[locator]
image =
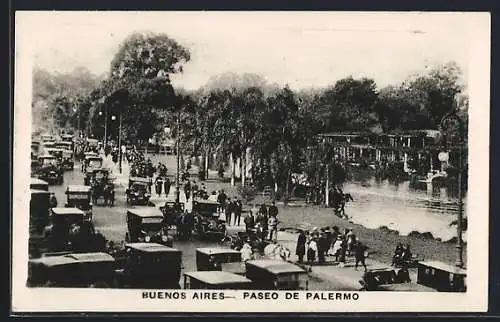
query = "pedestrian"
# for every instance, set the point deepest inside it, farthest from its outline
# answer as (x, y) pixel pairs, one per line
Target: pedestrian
(322, 247)
(158, 185)
(273, 210)
(166, 186)
(342, 254)
(53, 200)
(263, 210)
(360, 254)
(351, 242)
(238, 209)
(273, 227)
(312, 249)
(187, 190)
(264, 223)
(221, 199)
(249, 223)
(337, 247)
(194, 189)
(228, 212)
(300, 250)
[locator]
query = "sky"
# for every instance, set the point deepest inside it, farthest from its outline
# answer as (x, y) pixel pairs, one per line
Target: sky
(301, 49)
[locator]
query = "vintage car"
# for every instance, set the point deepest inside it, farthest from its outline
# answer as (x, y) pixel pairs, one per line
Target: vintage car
(215, 280)
(39, 210)
(171, 210)
(65, 145)
(138, 191)
(50, 171)
(102, 186)
(69, 231)
(269, 274)
(78, 196)
(58, 153)
(67, 138)
(94, 269)
(441, 276)
(380, 278)
(47, 137)
(149, 265)
(68, 161)
(35, 166)
(207, 223)
(212, 258)
(90, 163)
(38, 184)
(147, 224)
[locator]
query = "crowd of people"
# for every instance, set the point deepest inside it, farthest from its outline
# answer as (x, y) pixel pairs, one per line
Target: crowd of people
(316, 244)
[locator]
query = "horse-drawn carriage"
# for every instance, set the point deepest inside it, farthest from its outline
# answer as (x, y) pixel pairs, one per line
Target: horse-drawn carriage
(102, 186)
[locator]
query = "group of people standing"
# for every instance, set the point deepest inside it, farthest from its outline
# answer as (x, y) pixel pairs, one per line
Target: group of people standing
(317, 244)
(264, 221)
(232, 209)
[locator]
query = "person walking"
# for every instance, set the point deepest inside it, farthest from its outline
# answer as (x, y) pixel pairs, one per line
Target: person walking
(222, 199)
(238, 209)
(312, 250)
(187, 190)
(322, 247)
(249, 223)
(342, 253)
(360, 254)
(166, 186)
(300, 250)
(273, 210)
(158, 185)
(228, 212)
(273, 227)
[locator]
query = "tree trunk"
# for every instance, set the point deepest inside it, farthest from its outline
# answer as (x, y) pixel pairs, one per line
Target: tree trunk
(233, 169)
(327, 194)
(206, 164)
(287, 188)
(243, 161)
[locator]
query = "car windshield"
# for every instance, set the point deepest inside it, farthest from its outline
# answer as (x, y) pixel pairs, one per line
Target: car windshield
(139, 187)
(83, 204)
(49, 162)
(152, 227)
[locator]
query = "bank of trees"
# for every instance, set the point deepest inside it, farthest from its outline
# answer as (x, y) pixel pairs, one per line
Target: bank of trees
(245, 117)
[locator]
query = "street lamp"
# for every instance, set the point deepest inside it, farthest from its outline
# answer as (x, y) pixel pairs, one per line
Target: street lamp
(453, 129)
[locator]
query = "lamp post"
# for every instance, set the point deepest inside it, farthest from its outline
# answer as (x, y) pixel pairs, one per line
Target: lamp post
(453, 129)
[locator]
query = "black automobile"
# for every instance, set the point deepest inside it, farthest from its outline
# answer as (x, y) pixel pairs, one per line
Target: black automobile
(90, 163)
(68, 161)
(138, 191)
(147, 224)
(80, 197)
(149, 265)
(50, 171)
(207, 223)
(95, 269)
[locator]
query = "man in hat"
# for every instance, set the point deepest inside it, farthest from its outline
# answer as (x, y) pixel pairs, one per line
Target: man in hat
(322, 246)
(237, 210)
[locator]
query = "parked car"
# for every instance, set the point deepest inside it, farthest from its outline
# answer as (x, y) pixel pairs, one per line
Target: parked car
(68, 160)
(94, 269)
(149, 265)
(212, 258)
(215, 280)
(441, 276)
(79, 196)
(268, 274)
(147, 224)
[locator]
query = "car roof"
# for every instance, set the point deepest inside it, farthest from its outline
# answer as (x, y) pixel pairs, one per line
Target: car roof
(207, 202)
(52, 261)
(54, 149)
(218, 277)
(47, 156)
(39, 192)
(151, 248)
(67, 211)
(93, 157)
(145, 212)
(139, 179)
(216, 250)
(38, 181)
(443, 266)
(277, 266)
(78, 188)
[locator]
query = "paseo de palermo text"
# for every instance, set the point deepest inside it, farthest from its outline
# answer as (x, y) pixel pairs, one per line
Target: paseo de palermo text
(250, 295)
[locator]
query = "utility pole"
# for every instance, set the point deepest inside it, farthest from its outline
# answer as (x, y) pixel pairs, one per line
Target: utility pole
(177, 188)
(120, 142)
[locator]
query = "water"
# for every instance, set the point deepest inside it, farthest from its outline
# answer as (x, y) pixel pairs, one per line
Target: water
(403, 206)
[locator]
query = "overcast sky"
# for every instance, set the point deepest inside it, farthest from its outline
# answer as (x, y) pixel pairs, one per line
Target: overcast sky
(302, 49)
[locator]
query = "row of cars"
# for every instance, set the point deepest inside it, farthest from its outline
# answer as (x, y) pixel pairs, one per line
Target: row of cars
(151, 265)
(51, 156)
